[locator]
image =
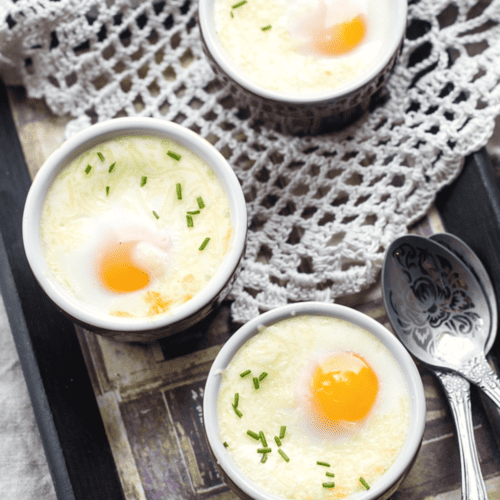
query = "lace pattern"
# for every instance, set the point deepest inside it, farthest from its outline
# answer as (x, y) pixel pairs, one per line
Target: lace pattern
(322, 209)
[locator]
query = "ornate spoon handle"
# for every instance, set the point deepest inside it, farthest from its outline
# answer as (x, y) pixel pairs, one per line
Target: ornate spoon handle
(479, 372)
(458, 392)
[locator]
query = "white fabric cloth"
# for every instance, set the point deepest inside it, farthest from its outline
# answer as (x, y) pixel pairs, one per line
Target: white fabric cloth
(24, 474)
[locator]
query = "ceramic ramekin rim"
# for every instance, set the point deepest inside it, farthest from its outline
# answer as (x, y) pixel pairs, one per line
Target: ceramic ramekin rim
(207, 30)
(408, 367)
(91, 136)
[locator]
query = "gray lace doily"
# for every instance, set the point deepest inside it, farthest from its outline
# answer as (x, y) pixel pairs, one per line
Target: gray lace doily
(322, 210)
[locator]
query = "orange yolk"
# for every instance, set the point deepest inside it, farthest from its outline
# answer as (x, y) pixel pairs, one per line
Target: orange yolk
(118, 272)
(340, 38)
(344, 387)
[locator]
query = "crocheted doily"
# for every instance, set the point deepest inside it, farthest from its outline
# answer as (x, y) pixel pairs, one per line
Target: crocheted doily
(322, 210)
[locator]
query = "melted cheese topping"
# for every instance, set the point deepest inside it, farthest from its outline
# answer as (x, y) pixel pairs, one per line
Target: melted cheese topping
(288, 352)
(116, 235)
(293, 53)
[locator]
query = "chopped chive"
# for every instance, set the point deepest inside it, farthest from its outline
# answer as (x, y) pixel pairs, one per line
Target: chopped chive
(284, 455)
(144, 179)
(282, 431)
(193, 212)
(101, 156)
(239, 4)
(324, 464)
(174, 155)
(178, 189)
(253, 435)
(256, 382)
(156, 215)
(264, 458)
(245, 373)
(264, 450)
(238, 412)
(266, 28)
(107, 190)
(278, 440)
(112, 167)
(328, 485)
(200, 201)
(236, 399)
(263, 439)
(204, 244)
(88, 169)
(329, 474)
(262, 376)
(364, 483)
(231, 14)
(189, 221)
(225, 444)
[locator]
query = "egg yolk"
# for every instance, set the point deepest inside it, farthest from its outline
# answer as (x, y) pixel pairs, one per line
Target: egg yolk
(117, 270)
(344, 387)
(340, 38)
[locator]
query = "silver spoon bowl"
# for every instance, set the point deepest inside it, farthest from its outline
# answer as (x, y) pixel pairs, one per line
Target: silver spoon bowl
(439, 309)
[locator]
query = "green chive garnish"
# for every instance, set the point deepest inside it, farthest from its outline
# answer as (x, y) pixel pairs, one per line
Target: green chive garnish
(204, 244)
(238, 412)
(364, 483)
(328, 485)
(262, 376)
(112, 167)
(245, 373)
(266, 28)
(193, 212)
(189, 221)
(264, 458)
(231, 14)
(178, 189)
(174, 155)
(144, 179)
(156, 215)
(324, 464)
(101, 156)
(239, 4)
(282, 431)
(200, 201)
(284, 455)
(254, 435)
(225, 444)
(107, 190)
(329, 474)
(278, 441)
(263, 439)
(256, 382)
(264, 450)
(236, 399)
(88, 169)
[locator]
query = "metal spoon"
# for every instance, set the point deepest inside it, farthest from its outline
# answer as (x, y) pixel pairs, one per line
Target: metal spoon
(467, 255)
(440, 309)
(456, 387)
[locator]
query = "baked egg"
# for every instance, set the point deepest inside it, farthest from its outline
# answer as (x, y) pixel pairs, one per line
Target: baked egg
(135, 226)
(301, 46)
(313, 407)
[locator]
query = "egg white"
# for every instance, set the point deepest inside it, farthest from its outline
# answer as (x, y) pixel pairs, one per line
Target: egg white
(287, 351)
